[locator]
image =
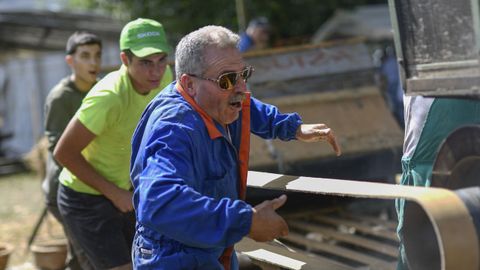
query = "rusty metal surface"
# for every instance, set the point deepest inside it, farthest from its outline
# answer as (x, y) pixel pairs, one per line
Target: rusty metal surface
(299, 62)
(457, 164)
(445, 215)
(437, 46)
(310, 68)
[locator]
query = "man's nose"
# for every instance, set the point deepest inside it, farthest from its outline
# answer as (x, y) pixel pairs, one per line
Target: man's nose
(95, 61)
(241, 86)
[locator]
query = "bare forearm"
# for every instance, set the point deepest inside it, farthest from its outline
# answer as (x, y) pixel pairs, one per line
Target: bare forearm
(122, 199)
(85, 172)
(68, 152)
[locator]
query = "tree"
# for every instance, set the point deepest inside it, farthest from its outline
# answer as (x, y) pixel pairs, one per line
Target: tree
(293, 20)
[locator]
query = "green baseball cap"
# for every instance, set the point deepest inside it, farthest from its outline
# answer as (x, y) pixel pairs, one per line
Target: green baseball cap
(144, 37)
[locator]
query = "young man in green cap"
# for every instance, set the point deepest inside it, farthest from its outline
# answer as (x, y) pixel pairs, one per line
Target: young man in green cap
(95, 197)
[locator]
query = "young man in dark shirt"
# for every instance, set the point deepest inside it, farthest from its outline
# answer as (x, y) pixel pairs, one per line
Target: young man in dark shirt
(83, 55)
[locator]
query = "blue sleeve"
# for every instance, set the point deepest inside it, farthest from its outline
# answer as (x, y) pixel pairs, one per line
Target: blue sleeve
(268, 123)
(165, 200)
(245, 42)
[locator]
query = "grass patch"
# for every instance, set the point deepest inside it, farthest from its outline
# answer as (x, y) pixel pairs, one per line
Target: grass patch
(21, 204)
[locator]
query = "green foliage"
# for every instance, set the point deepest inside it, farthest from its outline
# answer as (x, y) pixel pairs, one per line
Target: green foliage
(294, 20)
(116, 8)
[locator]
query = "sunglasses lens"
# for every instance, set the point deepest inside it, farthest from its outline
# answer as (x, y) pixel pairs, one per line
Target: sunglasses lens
(246, 73)
(227, 81)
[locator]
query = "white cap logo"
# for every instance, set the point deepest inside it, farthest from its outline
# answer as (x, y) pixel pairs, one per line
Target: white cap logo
(148, 34)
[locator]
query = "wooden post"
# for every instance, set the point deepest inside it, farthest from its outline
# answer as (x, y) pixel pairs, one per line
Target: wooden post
(241, 18)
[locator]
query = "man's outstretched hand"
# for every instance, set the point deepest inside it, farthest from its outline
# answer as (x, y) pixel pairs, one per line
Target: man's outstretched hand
(266, 223)
(318, 132)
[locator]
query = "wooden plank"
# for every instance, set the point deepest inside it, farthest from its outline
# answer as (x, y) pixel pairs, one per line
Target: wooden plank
(380, 232)
(279, 256)
(353, 239)
(312, 61)
(373, 221)
(266, 266)
(310, 212)
(311, 244)
(344, 111)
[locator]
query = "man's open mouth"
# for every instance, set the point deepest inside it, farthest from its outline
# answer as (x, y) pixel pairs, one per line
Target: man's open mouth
(237, 100)
(236, 104)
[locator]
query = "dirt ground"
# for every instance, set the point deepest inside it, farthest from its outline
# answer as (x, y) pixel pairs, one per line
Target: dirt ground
(21, 204)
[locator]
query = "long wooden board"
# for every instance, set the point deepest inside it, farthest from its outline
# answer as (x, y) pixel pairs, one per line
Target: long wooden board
(359, 226)
(281, 258)
(364, 242)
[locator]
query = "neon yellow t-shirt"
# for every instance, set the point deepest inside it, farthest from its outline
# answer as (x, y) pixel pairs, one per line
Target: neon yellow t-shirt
(111, 110)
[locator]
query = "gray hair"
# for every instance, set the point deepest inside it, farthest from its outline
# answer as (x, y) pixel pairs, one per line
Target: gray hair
(189, 54)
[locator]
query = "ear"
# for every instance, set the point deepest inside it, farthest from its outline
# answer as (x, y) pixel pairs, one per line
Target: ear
(188, 85)
(124, 58)
(69, 60)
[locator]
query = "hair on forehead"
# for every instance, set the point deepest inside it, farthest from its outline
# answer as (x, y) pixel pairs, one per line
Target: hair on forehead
(80, 38)
(212, 35)
(190, 51)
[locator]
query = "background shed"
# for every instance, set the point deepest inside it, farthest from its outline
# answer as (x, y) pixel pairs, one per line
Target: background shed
(32, 55)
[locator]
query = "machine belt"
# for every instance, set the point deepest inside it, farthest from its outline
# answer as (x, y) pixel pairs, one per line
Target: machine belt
(453, 230)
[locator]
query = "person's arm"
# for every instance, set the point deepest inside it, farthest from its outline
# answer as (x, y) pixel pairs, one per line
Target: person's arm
(68, 152)
(58, 112)
(269, 123)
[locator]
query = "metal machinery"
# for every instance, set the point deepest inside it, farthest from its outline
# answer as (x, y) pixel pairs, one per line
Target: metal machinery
(437, 44)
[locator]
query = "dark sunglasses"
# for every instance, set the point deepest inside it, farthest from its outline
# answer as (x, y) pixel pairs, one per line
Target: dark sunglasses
(227, 81)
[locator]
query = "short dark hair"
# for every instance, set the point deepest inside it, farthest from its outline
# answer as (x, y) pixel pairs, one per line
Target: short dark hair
(129, 54)
(81, 38)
